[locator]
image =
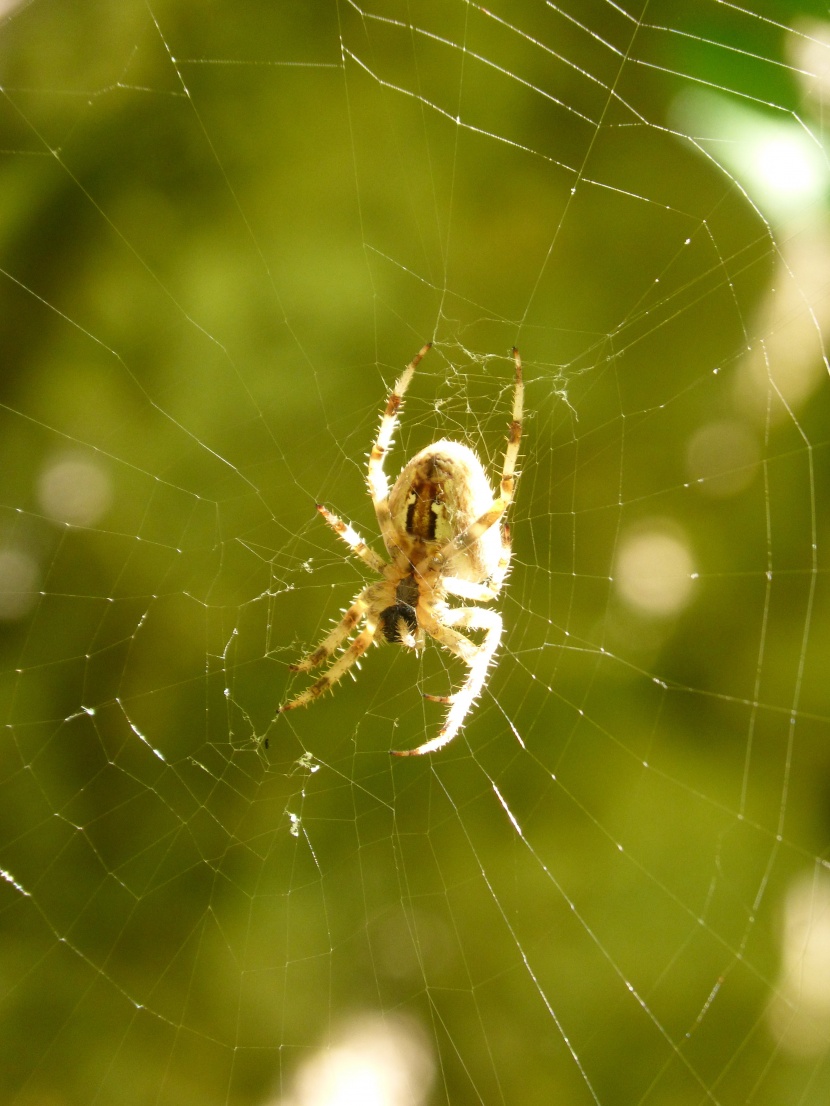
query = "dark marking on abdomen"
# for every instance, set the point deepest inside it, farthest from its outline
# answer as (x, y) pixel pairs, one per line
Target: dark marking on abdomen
(421, 518)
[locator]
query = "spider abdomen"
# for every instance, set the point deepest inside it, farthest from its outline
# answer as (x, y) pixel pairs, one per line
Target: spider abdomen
(440, 493)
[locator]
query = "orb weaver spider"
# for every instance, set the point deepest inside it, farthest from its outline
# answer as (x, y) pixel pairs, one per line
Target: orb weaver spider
(442, 527)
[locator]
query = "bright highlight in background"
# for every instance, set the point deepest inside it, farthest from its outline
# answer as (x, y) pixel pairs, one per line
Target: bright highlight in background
(654, 572)
(376, 1061)
(787, 165)
(780, 164)
(74, 489)
(799, 1015)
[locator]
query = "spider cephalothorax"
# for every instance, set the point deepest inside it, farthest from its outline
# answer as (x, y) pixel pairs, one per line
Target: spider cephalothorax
(442, 527)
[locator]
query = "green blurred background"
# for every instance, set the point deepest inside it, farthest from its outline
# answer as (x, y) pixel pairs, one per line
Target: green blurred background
(224, 229)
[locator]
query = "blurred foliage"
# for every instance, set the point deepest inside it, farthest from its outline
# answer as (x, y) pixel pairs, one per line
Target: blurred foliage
(224, 228)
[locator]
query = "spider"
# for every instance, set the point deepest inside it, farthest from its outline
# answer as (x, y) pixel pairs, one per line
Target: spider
(441, 525)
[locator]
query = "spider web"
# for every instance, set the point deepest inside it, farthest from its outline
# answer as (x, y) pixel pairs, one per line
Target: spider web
(225, 229)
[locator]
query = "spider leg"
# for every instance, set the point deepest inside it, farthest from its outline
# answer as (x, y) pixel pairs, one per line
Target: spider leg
(458, 645)
(330, 642)
(483, 593)
(354, 541)
(466, 589)
(376, 477)
(508, 481)
(477, 657)
(336, 671)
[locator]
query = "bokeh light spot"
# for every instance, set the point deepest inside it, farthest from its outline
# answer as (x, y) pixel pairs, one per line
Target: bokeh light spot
(654, 572)
(74, 489)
